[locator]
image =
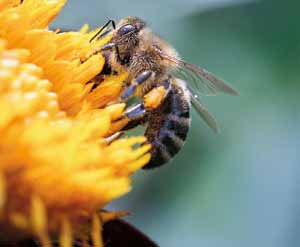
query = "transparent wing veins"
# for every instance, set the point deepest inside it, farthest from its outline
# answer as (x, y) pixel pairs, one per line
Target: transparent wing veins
(200, 85)
(204, 113)
(202, 81)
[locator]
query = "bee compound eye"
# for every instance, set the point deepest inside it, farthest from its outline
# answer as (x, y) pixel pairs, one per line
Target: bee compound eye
(126, 29)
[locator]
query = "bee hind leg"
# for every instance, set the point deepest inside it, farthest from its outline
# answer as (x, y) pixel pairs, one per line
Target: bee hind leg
(156, 95)
(136, 115)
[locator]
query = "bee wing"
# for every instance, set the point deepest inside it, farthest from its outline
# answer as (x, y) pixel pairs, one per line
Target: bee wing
(202, 81)
(203, 112)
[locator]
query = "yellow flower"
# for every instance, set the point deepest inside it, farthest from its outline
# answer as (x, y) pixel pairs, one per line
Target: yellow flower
(56, 168)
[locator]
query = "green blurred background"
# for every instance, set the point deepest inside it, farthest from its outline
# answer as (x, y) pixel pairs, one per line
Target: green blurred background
(241, 187)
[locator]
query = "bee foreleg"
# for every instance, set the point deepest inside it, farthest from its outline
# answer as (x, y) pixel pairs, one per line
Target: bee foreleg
(97, 50)
(140, 79)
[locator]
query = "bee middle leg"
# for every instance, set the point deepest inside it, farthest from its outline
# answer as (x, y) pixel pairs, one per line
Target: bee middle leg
(141, 78)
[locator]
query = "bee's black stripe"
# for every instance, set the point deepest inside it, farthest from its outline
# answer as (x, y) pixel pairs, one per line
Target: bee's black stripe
(171, 142)
(179, 125)
(159, 152)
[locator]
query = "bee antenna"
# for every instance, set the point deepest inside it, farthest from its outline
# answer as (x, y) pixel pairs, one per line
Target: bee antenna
(103, 27)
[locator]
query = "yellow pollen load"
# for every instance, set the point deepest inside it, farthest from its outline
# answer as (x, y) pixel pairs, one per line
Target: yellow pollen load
(154, 97)
(56, 169)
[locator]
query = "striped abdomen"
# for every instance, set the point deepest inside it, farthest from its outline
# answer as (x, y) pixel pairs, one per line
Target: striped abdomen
(168, 126)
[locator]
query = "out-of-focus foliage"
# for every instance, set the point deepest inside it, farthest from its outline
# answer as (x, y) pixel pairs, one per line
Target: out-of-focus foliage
(239, 188)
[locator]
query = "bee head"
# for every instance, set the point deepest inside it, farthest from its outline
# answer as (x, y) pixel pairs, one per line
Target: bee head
(125, 37)
(130, 25)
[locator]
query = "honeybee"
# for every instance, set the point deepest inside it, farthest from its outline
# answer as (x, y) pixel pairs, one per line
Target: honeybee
(152, 63)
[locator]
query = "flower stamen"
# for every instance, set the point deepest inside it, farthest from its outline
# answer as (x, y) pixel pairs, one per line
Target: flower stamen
(96, 229)
(2, 194)
(65, 237)
(38, 219)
